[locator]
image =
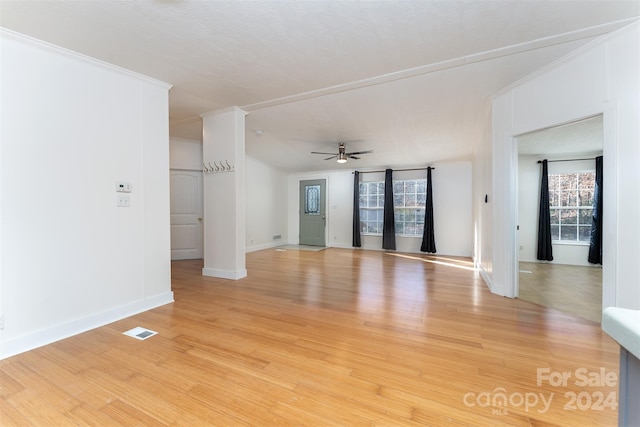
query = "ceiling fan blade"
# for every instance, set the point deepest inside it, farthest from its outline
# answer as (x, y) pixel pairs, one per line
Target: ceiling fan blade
(360, 152)
(332, 157)
(353, 157)
(318, 152)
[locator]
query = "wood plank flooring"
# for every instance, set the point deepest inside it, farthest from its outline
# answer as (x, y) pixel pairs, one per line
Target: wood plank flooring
(332, 338)
(571, 289)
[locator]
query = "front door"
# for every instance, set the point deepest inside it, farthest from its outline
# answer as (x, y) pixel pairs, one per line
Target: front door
(312, 212)
(186, 215)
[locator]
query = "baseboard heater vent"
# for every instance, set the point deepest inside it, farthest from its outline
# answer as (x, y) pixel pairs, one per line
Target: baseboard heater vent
(140, 333)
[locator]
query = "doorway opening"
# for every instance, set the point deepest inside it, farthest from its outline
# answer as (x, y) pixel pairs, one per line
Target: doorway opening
(569, 283)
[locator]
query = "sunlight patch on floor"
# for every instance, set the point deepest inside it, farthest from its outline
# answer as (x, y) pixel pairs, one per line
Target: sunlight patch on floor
(436, 260)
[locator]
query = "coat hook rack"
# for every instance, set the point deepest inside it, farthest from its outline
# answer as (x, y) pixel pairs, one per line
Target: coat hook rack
(217, 167)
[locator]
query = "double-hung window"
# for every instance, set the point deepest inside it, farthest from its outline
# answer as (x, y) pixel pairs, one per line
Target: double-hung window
(571, 206)
(371, 207)
(409, 200)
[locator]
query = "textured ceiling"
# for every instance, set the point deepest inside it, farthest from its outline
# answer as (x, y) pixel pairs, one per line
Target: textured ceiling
(581, 138)
(410, 80)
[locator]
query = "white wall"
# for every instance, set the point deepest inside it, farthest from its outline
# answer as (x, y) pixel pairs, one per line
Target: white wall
(273, 197)
(452, 209)
(528, 199)
(336, 206)
(482, 200)
(72, 260)
(266, 194)
(225, 197)
(266, 206)
(600, 78)
(528, 206)
(185, 154)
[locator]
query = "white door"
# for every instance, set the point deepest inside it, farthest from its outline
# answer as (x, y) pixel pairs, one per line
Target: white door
(186, 215)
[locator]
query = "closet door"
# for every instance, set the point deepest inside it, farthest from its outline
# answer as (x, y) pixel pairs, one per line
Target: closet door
(186, 215)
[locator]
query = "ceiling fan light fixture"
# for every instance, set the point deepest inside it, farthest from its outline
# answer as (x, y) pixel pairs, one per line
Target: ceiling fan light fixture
(342, 156)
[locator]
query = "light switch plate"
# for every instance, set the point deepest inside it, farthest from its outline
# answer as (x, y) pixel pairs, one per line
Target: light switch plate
(122, 201)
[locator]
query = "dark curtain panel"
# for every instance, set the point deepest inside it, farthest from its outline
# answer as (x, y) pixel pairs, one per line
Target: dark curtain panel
(595, 245)
(388, 227)
(545, 251)
(356, 210)
(428, 238)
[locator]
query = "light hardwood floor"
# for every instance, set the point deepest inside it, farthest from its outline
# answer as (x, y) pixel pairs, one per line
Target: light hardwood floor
(568, 288)
(336, 337)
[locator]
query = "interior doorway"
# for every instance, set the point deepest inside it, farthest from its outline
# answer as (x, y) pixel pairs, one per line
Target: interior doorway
(187, 231)
(568, 283)
(312, 212)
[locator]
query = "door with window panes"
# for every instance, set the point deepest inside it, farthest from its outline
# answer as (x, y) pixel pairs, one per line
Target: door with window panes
(312, 212)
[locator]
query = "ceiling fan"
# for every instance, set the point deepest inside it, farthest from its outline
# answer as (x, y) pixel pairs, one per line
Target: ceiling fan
(342, 154)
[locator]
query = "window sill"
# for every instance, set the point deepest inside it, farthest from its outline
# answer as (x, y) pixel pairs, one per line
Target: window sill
(397, 235)
(569, 243)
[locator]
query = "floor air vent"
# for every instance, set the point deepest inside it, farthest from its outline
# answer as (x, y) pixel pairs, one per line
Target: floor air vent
(140, 333)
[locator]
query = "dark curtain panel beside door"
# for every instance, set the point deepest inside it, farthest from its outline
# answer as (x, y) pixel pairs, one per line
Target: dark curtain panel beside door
(428, 237)
(356, 210)
(545, 251)
(388, 226)
(595, 244)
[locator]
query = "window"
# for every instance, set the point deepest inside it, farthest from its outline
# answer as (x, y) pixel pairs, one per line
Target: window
(409, 200)
(312, 200)
(571, 206)
(371, 207)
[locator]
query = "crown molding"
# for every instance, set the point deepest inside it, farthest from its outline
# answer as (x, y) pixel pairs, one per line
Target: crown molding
(22, 38)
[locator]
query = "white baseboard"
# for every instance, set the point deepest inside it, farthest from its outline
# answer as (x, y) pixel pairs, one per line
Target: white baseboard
(46, 336)
(485, 277)
(340, 245)
(225, 274)
(269, 245)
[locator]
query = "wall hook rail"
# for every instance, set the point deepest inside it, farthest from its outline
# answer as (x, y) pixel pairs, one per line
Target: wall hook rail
(217, 167)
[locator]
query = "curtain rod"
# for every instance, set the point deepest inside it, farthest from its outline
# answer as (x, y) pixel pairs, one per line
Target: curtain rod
(401, 170)
(568, 160)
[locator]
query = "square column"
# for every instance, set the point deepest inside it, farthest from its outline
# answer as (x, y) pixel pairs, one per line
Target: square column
(224, 194)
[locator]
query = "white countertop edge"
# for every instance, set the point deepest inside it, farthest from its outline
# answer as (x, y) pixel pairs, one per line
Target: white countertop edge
(623, 325)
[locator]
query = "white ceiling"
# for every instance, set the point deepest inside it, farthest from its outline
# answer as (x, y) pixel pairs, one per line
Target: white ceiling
(410, 80)
(581, 138)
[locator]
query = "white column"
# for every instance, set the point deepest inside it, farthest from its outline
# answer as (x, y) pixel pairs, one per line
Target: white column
(224, 194)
